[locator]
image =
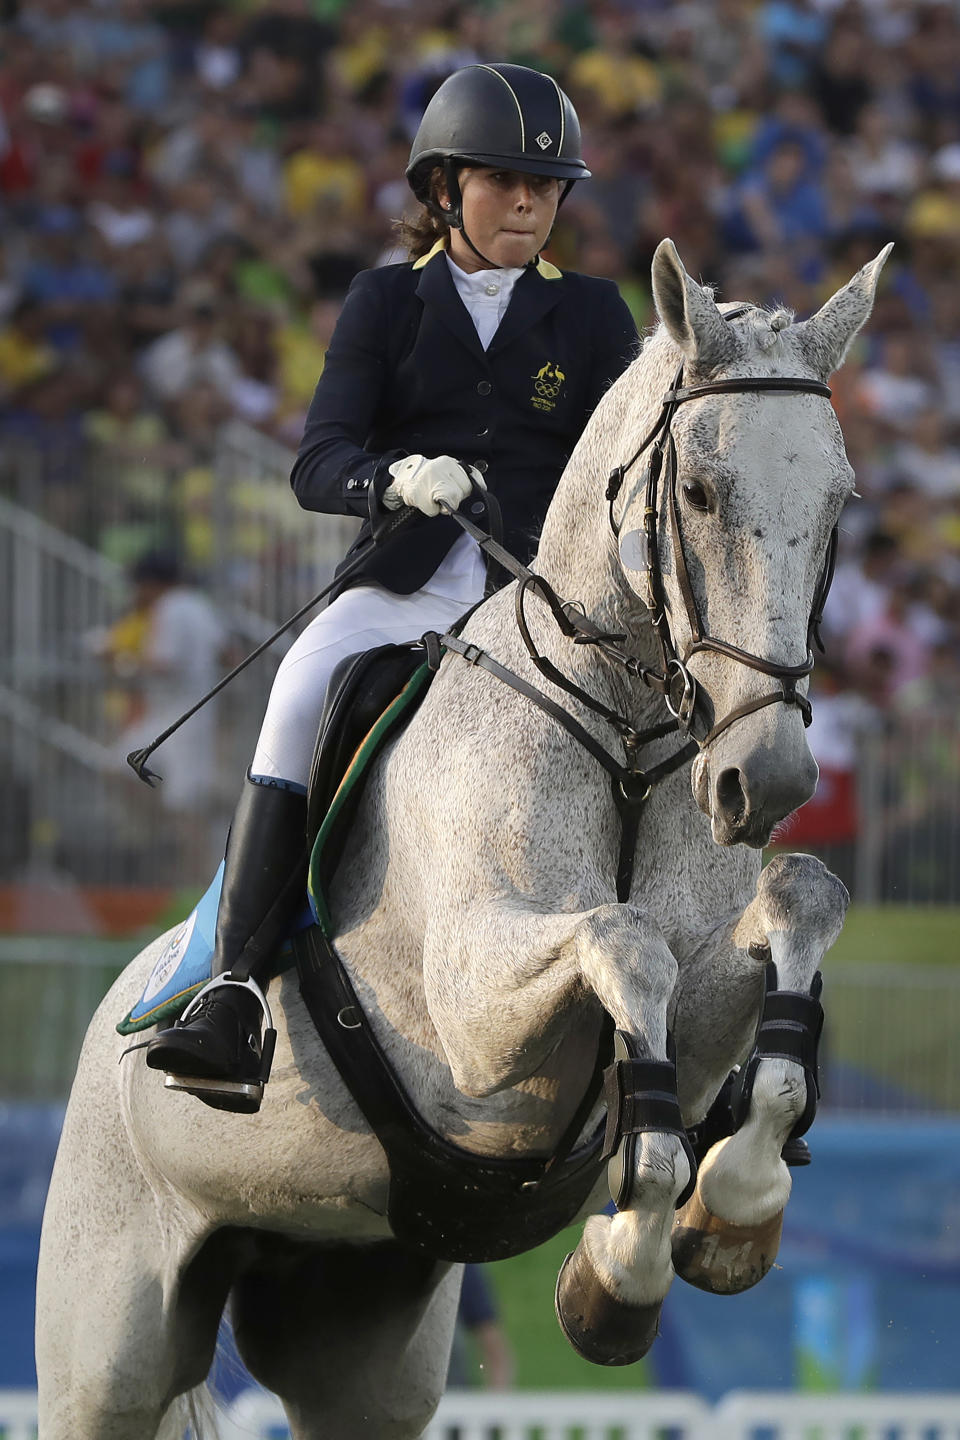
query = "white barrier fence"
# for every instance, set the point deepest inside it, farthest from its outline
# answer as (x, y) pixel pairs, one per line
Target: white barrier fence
(592, 1415)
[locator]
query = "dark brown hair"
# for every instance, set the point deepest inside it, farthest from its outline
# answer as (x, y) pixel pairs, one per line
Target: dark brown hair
(421, 233)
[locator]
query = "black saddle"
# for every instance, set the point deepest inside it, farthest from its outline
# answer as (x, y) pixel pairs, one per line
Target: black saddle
(362, 689)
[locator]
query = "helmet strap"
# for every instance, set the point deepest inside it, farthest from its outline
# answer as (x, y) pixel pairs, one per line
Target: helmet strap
(453, 214)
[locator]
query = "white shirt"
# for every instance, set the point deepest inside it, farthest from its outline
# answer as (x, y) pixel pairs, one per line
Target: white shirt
(486, 294)
(461, 574)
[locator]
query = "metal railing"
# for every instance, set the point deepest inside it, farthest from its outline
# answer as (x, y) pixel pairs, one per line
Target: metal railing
(627, 1415)
(889, 1045)
(76, 811)
(259, 557)
(908, 786)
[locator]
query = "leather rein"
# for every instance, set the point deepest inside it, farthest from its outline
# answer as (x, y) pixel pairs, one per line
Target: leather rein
(631, 781)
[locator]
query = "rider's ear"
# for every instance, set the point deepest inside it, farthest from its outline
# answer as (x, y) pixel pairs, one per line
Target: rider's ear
(827, 336)
(689, 313)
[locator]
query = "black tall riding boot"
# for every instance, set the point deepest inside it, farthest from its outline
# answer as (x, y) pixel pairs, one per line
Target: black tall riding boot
(217, 1050)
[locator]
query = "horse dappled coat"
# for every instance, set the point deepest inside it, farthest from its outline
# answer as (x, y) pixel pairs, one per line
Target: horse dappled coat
(476, 911)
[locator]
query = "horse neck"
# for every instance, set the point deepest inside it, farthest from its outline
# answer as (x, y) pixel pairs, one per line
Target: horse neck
(578, 551)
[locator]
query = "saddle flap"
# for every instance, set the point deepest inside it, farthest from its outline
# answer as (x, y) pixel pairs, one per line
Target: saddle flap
(370, 697)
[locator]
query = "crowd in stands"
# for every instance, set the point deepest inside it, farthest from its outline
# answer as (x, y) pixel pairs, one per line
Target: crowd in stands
(187, 187)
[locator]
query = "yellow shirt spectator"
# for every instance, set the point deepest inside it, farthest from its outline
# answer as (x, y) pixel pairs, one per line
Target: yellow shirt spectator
(323, 175)
(24, 356)
(621, 84)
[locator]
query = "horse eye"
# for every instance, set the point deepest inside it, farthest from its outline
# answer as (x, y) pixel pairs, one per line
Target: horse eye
(696, 496)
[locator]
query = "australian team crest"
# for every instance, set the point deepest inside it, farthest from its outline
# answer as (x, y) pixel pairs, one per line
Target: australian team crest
(547, 387)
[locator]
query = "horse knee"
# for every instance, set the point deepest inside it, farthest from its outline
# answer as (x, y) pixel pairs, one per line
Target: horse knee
(625, 960)
(798, 893)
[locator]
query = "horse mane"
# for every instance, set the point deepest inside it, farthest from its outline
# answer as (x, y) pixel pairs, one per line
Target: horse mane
(765, 324)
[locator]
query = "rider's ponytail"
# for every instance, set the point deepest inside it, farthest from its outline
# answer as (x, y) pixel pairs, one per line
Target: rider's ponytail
(419, 234)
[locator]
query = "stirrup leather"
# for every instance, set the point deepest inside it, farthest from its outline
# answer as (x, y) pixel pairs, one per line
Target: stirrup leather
(250, 1089)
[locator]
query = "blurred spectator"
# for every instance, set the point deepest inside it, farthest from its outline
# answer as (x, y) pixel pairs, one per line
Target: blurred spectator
(131, 456)
(935, 695)
(793, 34)
(899, 633)
(898, 387)
(480, 1345)
(843, 717)
(612, 79)
(841, 79)
(861, 584)
(924, 458)
(780, 208)
(70, 277)
(193, 352)
(880, 161)
(187, 192)
(181, 646)
(24, 353)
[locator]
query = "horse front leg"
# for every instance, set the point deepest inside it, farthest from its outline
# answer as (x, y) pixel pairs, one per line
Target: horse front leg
(727, 1235)
(611, 1289)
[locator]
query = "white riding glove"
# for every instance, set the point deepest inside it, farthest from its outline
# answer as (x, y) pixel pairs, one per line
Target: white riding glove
(421, 483)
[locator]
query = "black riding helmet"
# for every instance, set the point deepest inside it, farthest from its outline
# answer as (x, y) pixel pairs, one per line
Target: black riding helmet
(503, 115)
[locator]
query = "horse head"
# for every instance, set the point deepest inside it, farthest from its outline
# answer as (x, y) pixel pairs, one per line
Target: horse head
(735, 516)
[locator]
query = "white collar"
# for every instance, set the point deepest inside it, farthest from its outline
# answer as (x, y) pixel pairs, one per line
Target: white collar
(479, 284)
(544, 268)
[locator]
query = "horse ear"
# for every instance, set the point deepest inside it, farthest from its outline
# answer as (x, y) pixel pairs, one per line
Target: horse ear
(689, 313)
(827, 336)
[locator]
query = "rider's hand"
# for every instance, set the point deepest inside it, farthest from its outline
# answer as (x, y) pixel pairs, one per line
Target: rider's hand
(421, 483)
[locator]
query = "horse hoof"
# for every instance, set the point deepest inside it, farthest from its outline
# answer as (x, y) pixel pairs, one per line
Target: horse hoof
(601, 1328)
(718, 1256)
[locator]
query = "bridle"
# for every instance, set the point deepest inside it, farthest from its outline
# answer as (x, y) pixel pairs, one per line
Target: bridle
(680, 691)
(633, 782)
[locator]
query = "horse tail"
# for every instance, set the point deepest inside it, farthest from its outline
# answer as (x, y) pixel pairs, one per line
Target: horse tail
(192, 1416)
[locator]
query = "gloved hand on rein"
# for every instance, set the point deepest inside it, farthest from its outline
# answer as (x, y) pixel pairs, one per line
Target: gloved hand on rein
(421, 483)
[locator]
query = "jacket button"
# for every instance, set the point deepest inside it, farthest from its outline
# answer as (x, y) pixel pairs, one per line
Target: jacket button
(484, 387)
(484, 431)
(481, 465)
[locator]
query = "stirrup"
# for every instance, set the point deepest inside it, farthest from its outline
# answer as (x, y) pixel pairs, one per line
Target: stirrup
(249, 1091)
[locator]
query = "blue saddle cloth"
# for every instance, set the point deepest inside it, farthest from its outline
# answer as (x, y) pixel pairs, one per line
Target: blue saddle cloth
(183, 967)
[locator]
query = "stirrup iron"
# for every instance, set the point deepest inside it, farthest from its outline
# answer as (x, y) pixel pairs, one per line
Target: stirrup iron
(202, 1085)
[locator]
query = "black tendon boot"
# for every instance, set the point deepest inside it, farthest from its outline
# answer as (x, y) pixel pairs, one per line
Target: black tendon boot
(217, 1049)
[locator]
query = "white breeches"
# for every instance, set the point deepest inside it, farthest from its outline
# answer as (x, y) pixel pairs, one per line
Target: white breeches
(359, 619)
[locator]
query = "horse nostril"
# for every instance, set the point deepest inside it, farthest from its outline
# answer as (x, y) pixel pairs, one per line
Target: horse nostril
(731, 796)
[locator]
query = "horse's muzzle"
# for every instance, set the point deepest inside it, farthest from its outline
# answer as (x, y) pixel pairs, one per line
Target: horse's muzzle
(751, 793)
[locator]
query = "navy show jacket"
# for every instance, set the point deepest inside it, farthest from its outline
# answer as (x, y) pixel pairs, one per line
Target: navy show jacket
(406, 373)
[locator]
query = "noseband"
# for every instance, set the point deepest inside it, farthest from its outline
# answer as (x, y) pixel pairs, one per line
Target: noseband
(680, 691)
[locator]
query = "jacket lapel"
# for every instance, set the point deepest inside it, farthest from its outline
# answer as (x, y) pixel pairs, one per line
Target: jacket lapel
(437, 290)
(533, 296)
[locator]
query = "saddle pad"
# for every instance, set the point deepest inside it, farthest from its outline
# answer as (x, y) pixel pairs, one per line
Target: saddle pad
(183, 967)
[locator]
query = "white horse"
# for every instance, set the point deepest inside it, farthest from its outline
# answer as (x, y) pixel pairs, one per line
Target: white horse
(476, 911)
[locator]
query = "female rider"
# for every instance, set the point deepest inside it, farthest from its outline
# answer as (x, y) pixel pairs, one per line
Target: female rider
(477, 363)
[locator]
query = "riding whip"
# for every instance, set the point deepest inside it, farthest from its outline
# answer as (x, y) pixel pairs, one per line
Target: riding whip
(137, 759)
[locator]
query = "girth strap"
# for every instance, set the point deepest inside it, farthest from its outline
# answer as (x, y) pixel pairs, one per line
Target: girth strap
(451, 1202)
